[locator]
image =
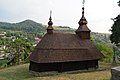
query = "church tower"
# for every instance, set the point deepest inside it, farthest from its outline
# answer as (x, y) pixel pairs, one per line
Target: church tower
(83, 31)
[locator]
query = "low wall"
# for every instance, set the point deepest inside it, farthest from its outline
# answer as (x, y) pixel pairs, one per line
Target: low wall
(115, 72)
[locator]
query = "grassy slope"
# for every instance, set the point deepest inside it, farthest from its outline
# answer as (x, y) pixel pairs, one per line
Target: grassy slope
(21, 73)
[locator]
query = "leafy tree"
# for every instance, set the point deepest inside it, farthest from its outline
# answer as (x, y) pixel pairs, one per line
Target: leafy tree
(115, 36)
(106, 51)
(19, 50)
(115, 29)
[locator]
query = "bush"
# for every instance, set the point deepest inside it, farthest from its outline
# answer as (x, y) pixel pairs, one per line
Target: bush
(3, 63)
(106, 51)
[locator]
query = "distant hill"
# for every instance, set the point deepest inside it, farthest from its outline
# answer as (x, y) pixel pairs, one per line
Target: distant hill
(63, 29)
(28, 26)
(103, 38)
(32, 27)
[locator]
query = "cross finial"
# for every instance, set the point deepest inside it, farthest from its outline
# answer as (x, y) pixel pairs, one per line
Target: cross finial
(83, 8)
(50, 15)
(50, 12)
(83, 2)
(50, 19)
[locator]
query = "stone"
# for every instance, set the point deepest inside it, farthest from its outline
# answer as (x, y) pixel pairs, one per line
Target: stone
(115, 72)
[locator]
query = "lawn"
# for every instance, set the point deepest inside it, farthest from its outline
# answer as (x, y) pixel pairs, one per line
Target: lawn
(21, 72)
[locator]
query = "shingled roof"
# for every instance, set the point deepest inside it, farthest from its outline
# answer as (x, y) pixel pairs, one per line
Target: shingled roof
(64, 47)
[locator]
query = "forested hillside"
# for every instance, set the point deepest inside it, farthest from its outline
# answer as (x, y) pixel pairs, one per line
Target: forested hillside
(28, 26)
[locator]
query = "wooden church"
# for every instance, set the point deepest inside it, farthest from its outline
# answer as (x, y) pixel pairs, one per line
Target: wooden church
(65, 51)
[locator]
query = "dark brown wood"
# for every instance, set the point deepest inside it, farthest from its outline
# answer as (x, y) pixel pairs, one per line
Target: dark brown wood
(63, 66)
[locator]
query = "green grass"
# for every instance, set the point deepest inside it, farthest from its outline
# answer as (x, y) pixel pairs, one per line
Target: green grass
(21, 72)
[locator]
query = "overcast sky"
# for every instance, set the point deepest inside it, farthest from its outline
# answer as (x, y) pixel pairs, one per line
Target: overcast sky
(64, 12)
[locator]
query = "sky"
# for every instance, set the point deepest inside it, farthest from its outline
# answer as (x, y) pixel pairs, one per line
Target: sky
(64, 12)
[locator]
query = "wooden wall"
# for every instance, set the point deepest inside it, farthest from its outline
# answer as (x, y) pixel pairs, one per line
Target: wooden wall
(63, 66)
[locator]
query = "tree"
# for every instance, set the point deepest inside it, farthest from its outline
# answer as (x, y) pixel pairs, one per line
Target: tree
(106, 51)
(20, 49)
(115, 36)
(115, 29)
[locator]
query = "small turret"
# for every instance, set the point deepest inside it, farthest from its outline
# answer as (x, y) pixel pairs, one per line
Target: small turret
(50, 23)
(83, 31)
